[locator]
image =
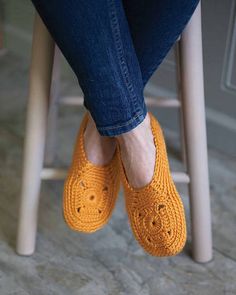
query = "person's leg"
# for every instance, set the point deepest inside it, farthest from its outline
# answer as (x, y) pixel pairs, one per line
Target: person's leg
(155, 27)
(94, 37)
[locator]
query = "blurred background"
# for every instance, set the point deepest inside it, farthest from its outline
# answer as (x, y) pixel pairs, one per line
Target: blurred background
(110, 261)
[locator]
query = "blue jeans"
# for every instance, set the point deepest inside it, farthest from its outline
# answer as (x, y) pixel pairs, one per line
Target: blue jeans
(113, 47)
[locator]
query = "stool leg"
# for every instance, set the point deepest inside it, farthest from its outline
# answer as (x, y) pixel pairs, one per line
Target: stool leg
(179, 97)
(53, 109)
(36, 124)
(195, 130)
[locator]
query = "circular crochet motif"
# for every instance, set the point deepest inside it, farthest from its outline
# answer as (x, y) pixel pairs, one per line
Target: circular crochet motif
(91, 199)
(156, 223)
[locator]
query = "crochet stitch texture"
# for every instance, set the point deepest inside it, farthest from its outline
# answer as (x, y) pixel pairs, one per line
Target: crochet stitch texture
(90, 191)
(155, 211)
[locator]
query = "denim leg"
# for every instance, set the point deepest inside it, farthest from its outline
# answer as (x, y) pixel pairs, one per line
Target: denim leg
(155, 25)
(95, 39)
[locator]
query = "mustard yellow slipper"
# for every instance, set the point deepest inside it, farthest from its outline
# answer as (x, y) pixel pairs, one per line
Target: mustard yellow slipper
(155, 211)
(90, 191)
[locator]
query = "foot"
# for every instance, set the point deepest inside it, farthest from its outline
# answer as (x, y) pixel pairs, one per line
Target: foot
(99, 149)
(90, 191)
(156, 212)
(138, 153)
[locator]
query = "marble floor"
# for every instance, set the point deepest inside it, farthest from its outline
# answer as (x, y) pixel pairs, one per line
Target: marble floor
(108, 261)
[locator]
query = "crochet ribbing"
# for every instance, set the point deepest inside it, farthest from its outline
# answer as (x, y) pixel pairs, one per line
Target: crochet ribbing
(90, 191)
(155, 211)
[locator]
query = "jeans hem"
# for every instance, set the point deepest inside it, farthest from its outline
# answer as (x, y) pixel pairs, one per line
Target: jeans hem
(124, 127)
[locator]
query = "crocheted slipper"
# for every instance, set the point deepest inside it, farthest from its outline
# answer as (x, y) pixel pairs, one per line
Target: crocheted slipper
(155, 211)
(90, 191)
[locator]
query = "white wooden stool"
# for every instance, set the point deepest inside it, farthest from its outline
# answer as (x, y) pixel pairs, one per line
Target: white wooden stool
(42, 112)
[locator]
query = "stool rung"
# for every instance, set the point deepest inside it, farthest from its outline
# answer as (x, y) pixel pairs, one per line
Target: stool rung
(159, 101)
(53, 173)
(162, 101)
(60, 173)
(72, 100)
(180, 177)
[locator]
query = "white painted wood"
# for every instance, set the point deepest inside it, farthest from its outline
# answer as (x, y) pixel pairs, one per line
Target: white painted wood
(179, 97)
(60, 174)
(168, 102)
(196, 141)
(54, 173)
(53, 109)
(36, 123)
(160, 102)
(180, 177)
(72, 100)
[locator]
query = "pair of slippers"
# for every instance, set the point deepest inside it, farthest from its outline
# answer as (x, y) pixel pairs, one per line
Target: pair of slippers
(155, 211)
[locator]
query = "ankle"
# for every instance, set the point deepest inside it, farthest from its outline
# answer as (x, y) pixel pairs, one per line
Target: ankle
(140, 133)
(91, 131)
